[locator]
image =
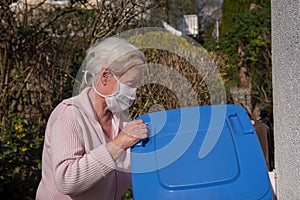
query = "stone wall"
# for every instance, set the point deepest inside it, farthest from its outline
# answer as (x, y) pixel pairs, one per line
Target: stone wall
(286, 96)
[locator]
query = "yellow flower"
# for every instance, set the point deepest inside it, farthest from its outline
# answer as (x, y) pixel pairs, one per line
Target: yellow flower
(19, 128)
(8, 142)
(20, 136)
(23, 149)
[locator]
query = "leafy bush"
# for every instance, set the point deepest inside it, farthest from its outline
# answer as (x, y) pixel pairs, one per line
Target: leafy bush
(20, 159)
(178, 74)
(251, 33)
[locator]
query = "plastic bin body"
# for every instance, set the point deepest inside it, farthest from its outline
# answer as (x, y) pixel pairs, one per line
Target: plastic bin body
(206, 152)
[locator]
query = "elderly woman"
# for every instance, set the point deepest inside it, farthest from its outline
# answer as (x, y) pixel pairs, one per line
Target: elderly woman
(87, 137)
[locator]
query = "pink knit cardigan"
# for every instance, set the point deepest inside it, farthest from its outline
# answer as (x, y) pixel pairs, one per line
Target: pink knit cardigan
(76, 163)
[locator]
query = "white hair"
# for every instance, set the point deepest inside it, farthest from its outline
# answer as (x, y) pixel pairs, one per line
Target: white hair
(114, 53)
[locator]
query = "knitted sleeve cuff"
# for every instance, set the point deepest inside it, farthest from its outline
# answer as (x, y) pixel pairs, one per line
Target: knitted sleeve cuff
(103, 156)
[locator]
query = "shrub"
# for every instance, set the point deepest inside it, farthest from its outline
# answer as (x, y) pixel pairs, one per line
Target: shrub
(20, 159)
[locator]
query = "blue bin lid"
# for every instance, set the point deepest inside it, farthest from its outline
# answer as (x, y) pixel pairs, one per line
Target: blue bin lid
(204, 152)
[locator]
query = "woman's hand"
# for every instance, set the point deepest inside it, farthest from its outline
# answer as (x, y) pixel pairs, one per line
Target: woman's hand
(133, 132)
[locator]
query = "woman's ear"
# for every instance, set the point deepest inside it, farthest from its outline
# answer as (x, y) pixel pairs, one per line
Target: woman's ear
(104, 76)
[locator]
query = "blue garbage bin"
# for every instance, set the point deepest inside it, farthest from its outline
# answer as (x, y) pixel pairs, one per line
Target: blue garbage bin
(203, 152)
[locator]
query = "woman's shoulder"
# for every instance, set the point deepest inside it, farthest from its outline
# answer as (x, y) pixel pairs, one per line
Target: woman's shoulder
(64, 110)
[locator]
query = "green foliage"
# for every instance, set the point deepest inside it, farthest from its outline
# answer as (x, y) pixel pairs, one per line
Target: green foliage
(251, 32)
(128, 194)
(20, 158)
(232, 7)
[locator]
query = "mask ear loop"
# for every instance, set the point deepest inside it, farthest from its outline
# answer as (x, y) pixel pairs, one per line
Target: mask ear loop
(85, 76)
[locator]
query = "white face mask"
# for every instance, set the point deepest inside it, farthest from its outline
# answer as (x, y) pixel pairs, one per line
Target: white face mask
(121, 99)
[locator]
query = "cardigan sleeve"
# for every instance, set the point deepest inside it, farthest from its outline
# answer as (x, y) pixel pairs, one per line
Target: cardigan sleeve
(75, 170)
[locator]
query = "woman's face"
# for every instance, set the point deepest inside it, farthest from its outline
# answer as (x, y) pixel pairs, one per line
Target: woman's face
(110, 88)
(132, 77)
